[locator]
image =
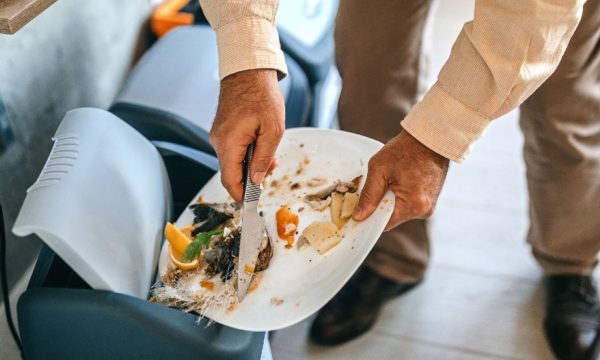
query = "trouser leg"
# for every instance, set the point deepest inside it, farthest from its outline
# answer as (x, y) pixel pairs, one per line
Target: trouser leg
(561, 124)
(378, 53)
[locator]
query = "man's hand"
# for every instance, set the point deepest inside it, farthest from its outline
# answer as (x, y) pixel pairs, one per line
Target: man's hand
(413, 172)
(250, 109)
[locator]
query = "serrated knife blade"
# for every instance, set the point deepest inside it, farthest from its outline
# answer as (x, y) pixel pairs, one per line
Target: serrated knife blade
(252, 229)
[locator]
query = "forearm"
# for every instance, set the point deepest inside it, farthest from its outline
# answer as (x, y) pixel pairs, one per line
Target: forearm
(499, 59)
(246, 35)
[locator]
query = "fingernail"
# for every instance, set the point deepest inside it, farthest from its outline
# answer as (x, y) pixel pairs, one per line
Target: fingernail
(357, 213)
(258, 177)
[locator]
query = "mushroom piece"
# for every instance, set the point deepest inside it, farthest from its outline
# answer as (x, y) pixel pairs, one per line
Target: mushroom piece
(319, 200)
(317, 203)
(352, 186)
(325, 192)
(322, 235)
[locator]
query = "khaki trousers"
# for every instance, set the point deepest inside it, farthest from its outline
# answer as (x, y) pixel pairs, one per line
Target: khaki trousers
(379, 56)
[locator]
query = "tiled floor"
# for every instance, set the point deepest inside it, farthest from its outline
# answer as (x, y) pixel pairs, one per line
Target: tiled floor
(482, 297)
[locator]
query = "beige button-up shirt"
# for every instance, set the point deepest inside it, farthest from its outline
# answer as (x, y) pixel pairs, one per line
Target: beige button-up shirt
(498, 60)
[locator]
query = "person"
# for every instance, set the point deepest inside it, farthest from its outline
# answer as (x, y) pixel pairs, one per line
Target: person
(542, 55)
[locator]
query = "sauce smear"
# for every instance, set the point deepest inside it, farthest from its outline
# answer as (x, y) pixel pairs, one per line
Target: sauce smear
(287, 223)
(208, 285)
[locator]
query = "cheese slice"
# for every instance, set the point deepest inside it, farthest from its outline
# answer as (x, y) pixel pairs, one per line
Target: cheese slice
(322, 235)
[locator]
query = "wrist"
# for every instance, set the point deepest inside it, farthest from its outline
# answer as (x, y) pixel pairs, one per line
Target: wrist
(255, 77)
(423, 150)
(250, 86)
(251, 94)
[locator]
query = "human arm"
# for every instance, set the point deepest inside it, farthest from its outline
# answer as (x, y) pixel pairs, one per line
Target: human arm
(251, 107)
(499, 59)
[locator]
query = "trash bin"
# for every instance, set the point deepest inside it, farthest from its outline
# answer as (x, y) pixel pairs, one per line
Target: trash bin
(100, 205)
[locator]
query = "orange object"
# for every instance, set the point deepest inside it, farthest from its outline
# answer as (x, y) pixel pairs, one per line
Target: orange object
(287, 223)
(176, 238)
(249, 269)
(207, 284)
(187, 231)
(178, 242)
(175, 256)
(170, 15)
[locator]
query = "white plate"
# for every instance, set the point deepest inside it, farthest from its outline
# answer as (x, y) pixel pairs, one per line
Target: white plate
(303, 279)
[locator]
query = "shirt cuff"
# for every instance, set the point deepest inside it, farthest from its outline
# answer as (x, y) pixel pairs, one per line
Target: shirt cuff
(445, 125)
(247, 44)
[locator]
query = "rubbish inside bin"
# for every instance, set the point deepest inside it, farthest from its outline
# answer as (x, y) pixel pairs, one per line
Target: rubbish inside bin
(207, 251)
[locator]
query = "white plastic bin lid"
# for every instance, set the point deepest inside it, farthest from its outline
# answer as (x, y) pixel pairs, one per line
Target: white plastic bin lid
(100, 202)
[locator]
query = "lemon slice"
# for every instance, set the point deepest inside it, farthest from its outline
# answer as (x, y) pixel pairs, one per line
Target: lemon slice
(175, 256)
(187, 231)
(178, 242)
(176, 238)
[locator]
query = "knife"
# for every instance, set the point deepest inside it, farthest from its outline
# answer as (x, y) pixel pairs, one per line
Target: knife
(252, 229)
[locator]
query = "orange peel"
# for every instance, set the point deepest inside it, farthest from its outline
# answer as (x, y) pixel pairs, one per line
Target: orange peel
(178, 242)
(175, 256)
(176, 238)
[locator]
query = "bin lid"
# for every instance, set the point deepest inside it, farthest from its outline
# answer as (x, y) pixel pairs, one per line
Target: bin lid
(100, 202)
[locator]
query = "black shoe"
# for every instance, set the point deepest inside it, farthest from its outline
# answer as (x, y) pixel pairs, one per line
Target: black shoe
(355, 308)
(572, 317)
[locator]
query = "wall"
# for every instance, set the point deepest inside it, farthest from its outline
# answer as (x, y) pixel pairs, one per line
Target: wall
(75, 54)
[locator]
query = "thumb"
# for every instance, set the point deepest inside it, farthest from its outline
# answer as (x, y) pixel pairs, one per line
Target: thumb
(264, 155)
(371, 194)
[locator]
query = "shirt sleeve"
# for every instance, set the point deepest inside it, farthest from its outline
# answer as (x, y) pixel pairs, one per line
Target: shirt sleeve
(246, 35)
(499, 59)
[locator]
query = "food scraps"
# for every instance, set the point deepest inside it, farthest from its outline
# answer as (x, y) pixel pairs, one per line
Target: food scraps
(209, 248)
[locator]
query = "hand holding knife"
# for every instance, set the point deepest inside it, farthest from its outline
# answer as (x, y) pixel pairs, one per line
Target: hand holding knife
(252, 229)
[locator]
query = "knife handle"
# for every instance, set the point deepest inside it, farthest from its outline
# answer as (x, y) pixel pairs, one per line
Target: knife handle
(251, 190)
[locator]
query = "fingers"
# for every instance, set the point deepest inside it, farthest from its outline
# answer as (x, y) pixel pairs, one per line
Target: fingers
(272, 167)
(264, 152)
(417, 205)
(231, 166)
(400, 215)
(371, 194)
(231, 161)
